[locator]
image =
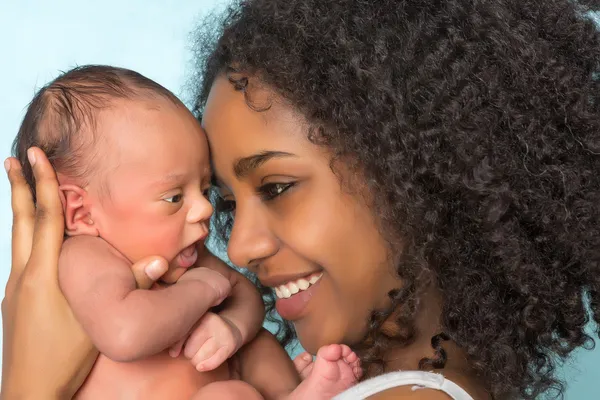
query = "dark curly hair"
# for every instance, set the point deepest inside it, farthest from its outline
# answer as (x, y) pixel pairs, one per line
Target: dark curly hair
(476, 126)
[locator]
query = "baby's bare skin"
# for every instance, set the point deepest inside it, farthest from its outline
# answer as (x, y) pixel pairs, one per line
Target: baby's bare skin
(157, 206)
(158, 377)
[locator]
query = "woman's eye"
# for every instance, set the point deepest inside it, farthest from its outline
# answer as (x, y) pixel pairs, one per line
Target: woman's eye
(174, 199)
(272, 190)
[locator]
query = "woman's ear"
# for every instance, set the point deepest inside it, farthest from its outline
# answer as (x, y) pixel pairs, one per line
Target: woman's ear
(78, 217)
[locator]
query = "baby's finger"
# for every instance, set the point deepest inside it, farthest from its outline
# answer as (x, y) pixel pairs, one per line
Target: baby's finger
(23, 218)
(202, 352)
(307, 371)
(213, 361)
(302, 362)
(199, 343)
(48, 233)
(195, 342)
(175, 350)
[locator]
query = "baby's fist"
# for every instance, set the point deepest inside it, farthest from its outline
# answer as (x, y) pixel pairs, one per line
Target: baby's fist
(213, 279)
(212, 342)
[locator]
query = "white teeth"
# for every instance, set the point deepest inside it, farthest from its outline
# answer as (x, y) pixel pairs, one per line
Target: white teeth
(315, 279)
(291, 288)
(303, 284)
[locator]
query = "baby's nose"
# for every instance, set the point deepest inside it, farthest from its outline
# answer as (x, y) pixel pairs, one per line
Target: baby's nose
(200, 211)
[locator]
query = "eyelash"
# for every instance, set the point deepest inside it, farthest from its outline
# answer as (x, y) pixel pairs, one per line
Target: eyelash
(178, 196)
(228, 206)
(263, 191)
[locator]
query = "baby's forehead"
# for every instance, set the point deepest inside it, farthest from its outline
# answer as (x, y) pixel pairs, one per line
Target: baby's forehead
(153, 140)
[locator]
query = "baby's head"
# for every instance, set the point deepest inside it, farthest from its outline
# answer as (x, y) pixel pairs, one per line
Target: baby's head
(131, 160)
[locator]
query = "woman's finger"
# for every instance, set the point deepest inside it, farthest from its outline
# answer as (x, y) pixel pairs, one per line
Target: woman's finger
(148, 271)
(49, 220)
(23, 220)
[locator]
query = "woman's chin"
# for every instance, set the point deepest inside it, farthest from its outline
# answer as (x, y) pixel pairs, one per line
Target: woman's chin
(313, 339)
(314, 335)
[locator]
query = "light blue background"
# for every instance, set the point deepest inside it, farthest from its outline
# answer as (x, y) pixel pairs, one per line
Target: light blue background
(40, 38)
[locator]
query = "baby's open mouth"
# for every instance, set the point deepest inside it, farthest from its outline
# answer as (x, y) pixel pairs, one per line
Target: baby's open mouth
(187, 257)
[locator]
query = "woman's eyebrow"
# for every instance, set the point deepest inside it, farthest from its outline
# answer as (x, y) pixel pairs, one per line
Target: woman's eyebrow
(244, 166)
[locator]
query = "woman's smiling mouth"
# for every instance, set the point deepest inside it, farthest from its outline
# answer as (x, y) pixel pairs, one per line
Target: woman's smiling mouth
(294, 295)
(290, 288)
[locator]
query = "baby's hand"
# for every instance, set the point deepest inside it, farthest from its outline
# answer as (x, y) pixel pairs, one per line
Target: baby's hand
(212, 341)
(216, 281)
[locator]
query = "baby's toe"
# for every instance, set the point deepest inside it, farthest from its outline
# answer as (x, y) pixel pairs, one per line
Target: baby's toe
(332, 352)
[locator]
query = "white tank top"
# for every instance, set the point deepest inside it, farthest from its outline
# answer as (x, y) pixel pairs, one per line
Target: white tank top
(416, 379)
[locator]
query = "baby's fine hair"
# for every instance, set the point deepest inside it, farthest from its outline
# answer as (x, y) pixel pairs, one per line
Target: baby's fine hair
(61, 118)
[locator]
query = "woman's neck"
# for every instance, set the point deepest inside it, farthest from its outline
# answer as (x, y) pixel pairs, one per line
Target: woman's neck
(427, 325)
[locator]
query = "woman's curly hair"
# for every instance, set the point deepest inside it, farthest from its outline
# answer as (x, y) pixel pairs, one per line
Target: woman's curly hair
(476, 126)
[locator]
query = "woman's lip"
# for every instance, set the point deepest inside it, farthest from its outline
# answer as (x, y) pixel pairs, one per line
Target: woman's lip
(294, 307)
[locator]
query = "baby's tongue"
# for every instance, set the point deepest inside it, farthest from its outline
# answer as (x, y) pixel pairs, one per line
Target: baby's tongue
(189, 251)
(187, 257)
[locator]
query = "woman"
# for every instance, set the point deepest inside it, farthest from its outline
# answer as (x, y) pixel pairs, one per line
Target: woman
(436, 164)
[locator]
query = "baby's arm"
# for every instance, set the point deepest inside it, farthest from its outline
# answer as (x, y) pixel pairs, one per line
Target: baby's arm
(237, 320)
(126, 323)
(244, 308)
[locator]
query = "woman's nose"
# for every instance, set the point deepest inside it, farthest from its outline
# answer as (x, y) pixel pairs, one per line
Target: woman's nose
(251, 240)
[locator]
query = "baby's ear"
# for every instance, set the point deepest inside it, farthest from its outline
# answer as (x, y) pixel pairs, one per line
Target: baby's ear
(78, 216)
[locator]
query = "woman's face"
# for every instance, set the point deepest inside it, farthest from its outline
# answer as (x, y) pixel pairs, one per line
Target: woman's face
(295, 226)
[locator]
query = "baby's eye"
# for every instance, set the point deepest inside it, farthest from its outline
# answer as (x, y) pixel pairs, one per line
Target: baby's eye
(174, 199)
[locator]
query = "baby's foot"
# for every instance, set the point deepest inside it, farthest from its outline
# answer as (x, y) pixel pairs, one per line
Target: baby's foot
(335, 369)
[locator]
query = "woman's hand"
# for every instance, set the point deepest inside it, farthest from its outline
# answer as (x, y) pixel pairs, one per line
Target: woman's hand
(46, 354)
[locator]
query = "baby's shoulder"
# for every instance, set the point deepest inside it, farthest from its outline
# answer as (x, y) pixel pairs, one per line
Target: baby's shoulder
(84, 244)
(89, 250)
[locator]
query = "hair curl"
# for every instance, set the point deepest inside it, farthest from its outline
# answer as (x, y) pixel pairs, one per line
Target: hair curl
(476, 125)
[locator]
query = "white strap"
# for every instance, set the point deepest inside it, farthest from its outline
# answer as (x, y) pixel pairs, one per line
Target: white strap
(417, 379)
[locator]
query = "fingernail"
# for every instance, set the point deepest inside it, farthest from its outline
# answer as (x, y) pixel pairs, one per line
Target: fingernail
(7, 165)
(154, 269)
(31, 157)
(307, 357)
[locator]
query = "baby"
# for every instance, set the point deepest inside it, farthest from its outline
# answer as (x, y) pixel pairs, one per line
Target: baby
(133, 168)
